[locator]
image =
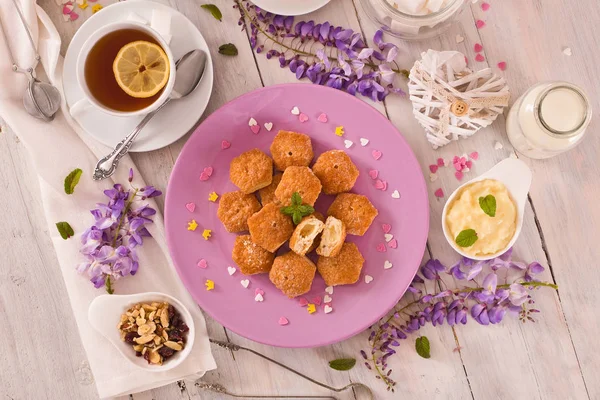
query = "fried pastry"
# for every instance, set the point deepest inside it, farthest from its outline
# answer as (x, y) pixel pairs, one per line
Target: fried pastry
(251, 170)
(305, 234)
(250, 257)
(267, 194)
(270, 228)
(235, 208)
(355, 211)
(291, 149)
(301, 180)
(332, 238)
(336, 171)
(343, 269)
(292, 274)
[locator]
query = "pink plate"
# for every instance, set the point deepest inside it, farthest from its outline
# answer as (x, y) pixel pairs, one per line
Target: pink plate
(355, 307)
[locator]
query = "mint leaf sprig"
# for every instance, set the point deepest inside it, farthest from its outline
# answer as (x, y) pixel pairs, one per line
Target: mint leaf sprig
(488, 205)
(297, 210)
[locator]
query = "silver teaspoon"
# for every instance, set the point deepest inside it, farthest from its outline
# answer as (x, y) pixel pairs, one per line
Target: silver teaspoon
(190, 69)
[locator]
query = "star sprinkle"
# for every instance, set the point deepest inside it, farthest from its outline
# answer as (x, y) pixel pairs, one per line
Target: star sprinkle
(210, 285)
(339, 130)
(283, 321)
(82, 4)
(206, 234)
(192, 225)
(96, 8)
(311, 308)
(213, 196)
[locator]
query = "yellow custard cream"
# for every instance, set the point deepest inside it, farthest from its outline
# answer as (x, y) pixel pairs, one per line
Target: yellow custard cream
(465, 212)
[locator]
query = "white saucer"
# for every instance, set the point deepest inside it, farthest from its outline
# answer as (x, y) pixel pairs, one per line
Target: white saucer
(290, 7)
(177, 118)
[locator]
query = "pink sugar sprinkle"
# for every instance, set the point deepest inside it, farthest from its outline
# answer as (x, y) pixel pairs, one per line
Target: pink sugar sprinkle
(502, 65)
(255, 129)
(303, 302)
(283, 321)
(376, 154)
(469, 164)
(479, 58)
(225, 145)
(202, 263)
(458, 166)
(73, 15)
(439, 193)
(466, 60)
(190, 207)
(316, 300)
(259, 291)
(381, 248)
(386, 228)
(478, 47)
(474, 155)
(440, 162)
(393, 244)
(381, 185)
(479, 24)
(433, 168)
(373, 174)
(485, 6)
(458, 175)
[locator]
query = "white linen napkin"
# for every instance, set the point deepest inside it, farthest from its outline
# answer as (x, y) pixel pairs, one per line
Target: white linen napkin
(57, 148)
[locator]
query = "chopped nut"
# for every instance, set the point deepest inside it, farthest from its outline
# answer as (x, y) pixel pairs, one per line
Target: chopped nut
(151, 316)
(144, 329)
(164, 318)
(142, 313)
(157, 339)
(135, 313)
(173, 345)
(140, 321)
(165, 335)
(155, 358)
(144, 339)
(138, 347)
(149, 307)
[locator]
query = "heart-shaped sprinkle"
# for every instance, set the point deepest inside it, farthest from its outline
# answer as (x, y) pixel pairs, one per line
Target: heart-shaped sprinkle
(268, 126)
(381, 248)
(466, 169)
(393, 244)
(208, 170)
(202, 263)
(225, 145)
(376, 154)
(373, 174)
(348, 143)
(387, 265)
(259, 291)
(502, 65)
(316, 300)
(303, 302)
(231, 270)
(190, 207)
(258, 297)
(388, 237)
(474, 155)
(485, 6)
(567, 51)
(479, 58)
(67, 8)
(387, 228)
(327, 299)
(433, 168)
(433, 177)
(245, 283)
(368, 279)
(283, 321)
(479, 24)
(66, 17)
(322, 118)
(327, 309)
(498, 146)
(379, 184)
(252, 122)
(204, 176)
(303, 117)
(439, 193)
(73, 16)
(440, 162)
(396, 194)
(364, 142)
(459, 39)
(478, 47)
(295, 111)
(255, 129)
(329, 290)
(459, 175)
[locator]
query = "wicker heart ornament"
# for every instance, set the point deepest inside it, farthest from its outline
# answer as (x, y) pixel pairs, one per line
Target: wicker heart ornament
(451, 101)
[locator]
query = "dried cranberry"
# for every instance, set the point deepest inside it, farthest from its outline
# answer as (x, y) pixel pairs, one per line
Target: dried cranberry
(175, 335)
(166, 352)
(130, 336)
(183, 327)
(171, 311)
(138, 353)
(147, 356)
(175, 321)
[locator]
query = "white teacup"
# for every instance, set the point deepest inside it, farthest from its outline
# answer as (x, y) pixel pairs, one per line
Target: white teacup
(89, 100)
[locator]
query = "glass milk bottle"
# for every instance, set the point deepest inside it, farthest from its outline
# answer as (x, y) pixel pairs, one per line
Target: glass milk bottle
(549, 119)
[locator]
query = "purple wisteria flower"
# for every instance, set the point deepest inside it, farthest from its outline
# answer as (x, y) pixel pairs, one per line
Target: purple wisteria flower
(505, 289)
(109, 245)
(324, 54)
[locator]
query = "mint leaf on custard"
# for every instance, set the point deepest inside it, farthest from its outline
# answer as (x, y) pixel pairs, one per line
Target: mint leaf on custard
(466, 238)
(488, 205)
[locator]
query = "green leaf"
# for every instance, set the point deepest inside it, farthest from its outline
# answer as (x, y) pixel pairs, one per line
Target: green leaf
(214, 10)
(289, 210)
(297, 218)
(305, 209)
(466, 238)
(64, 229)
(488, 205)
(72, 180)
(296, 199)
(228, 49)
(342, 364)
(422, 347)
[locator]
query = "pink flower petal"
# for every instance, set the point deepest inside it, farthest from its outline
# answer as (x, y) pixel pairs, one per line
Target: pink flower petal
(474, 155)
(479, 24)
(458, 175)
(433, 168)
(479, 58)
(386, 228)
(373, 174)
(393, 244)
(478, 47)
(502, 65)
(381, 248)
(303, 302)
(377, 154)
(439, 193)
(485, 6)
(440, 162)
(283, 321)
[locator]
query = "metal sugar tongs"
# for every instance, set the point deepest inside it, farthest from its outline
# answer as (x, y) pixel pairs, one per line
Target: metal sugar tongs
(41, 99)
(218, 388)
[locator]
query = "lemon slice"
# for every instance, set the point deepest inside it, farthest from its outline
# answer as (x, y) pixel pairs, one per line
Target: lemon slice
(141, 69)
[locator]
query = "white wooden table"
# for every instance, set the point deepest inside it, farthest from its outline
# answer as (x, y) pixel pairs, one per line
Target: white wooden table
(556, 358)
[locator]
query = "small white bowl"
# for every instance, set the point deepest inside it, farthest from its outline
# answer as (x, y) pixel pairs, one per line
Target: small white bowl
(105, 312)
(516, 176)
